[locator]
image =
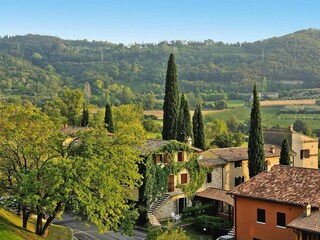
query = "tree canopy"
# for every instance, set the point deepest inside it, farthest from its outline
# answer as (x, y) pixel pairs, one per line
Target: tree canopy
(45, 169)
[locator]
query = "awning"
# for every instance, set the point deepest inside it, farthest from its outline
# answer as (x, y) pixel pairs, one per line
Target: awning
(216, 194)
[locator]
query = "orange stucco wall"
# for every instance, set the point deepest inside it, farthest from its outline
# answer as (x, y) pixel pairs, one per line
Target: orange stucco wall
(247, 228)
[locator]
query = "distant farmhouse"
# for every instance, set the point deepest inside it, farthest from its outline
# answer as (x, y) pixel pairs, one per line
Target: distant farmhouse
(305, 147)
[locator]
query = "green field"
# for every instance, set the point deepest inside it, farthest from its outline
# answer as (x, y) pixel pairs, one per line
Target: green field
(10, 229)
(271, 116)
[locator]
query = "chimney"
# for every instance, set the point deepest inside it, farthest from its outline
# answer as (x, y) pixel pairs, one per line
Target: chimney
(272, 149)
(290, 127)
(65, 125)
(267, 166)
(306, 210)
(188, 140)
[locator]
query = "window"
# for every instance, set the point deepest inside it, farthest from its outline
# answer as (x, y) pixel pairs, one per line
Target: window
(261, 215)
(304, 153)
(281, 219)
(238, 180)
(184, 178)
(238, 164)
(209, 177)
(181, 156)
(166, 158)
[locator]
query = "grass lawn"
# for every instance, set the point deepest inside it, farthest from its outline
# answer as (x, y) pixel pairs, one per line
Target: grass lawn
(235, 103)
(10, 228)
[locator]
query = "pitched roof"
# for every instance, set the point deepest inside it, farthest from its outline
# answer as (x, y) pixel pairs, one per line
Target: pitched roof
(152, 145)
(287, 131)
(211, 162)
(233, 154)
(285, 184)
(309, 224)
(216, 194)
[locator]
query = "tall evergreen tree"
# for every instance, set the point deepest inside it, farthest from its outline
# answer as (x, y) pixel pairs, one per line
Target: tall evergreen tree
(171, 102)
(198, 128)
(184, 120)
(85, 116)
(108, 119)
(256, 160)
(285, 152)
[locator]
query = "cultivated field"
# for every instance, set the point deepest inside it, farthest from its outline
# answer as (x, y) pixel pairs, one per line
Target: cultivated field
(287, 102)
(159, 113)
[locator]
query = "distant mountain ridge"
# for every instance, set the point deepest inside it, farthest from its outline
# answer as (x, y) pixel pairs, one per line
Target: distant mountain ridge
(39, 66)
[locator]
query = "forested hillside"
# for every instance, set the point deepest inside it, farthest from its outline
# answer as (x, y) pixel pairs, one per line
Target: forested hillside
(37, 67)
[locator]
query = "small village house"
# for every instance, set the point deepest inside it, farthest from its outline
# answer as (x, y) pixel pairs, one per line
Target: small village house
(281, 203)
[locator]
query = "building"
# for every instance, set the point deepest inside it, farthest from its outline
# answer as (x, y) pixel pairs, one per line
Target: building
(306, 147)
(229, 168)
(165, 163)
(279, 204)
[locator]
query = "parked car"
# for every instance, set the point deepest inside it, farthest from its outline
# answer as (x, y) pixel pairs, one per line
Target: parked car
(226, 237)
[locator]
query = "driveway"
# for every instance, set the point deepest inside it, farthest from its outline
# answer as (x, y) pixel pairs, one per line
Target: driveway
(83, 232)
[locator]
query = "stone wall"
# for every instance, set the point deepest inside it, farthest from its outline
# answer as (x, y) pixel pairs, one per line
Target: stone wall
(171, 205)
(216, 176)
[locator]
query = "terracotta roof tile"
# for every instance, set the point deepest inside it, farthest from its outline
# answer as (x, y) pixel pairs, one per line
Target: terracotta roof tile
(233, 154)
(216, 194)
(292, 185)
(211, 162)
(152, 145)
(310, 224)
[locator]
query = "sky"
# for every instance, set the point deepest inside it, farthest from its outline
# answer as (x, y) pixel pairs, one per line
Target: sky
(152, 21)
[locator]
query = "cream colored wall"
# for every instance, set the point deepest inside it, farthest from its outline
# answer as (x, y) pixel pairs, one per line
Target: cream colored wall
(300, 142)
(230, 172)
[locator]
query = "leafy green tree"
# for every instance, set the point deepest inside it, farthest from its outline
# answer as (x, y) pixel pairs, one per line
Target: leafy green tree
(184, 120)
(220, 104)
(171, 101)
(256, 159)
(198, 129)
(45, 173)
(301, 126)
(85, 116)
(285, 152)
(108, 118)
(71, 104)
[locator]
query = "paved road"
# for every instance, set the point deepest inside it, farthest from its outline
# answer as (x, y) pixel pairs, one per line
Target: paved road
(83, 232)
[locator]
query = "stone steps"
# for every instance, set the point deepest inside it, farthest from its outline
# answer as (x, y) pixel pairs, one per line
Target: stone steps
(153, 220)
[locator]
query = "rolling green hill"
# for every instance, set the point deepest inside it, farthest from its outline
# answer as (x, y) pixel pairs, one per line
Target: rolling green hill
(37, 67)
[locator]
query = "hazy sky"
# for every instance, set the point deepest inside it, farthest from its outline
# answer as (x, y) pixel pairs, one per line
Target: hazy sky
(130, 21)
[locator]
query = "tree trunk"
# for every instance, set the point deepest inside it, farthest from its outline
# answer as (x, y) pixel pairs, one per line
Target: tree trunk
(44, 232)
(19, 210)
(25, 217)
(39, 223)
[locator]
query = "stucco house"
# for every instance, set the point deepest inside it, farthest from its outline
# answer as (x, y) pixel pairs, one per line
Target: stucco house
(306, 147)
(281, 203)
(165, 172)
(229, 168)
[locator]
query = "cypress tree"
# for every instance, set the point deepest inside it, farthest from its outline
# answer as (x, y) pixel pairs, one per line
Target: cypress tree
(85, 116)
(108, 119)
(184, 120)
(285, 152)
(256, 160)
(198, 128)
(171, 102)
